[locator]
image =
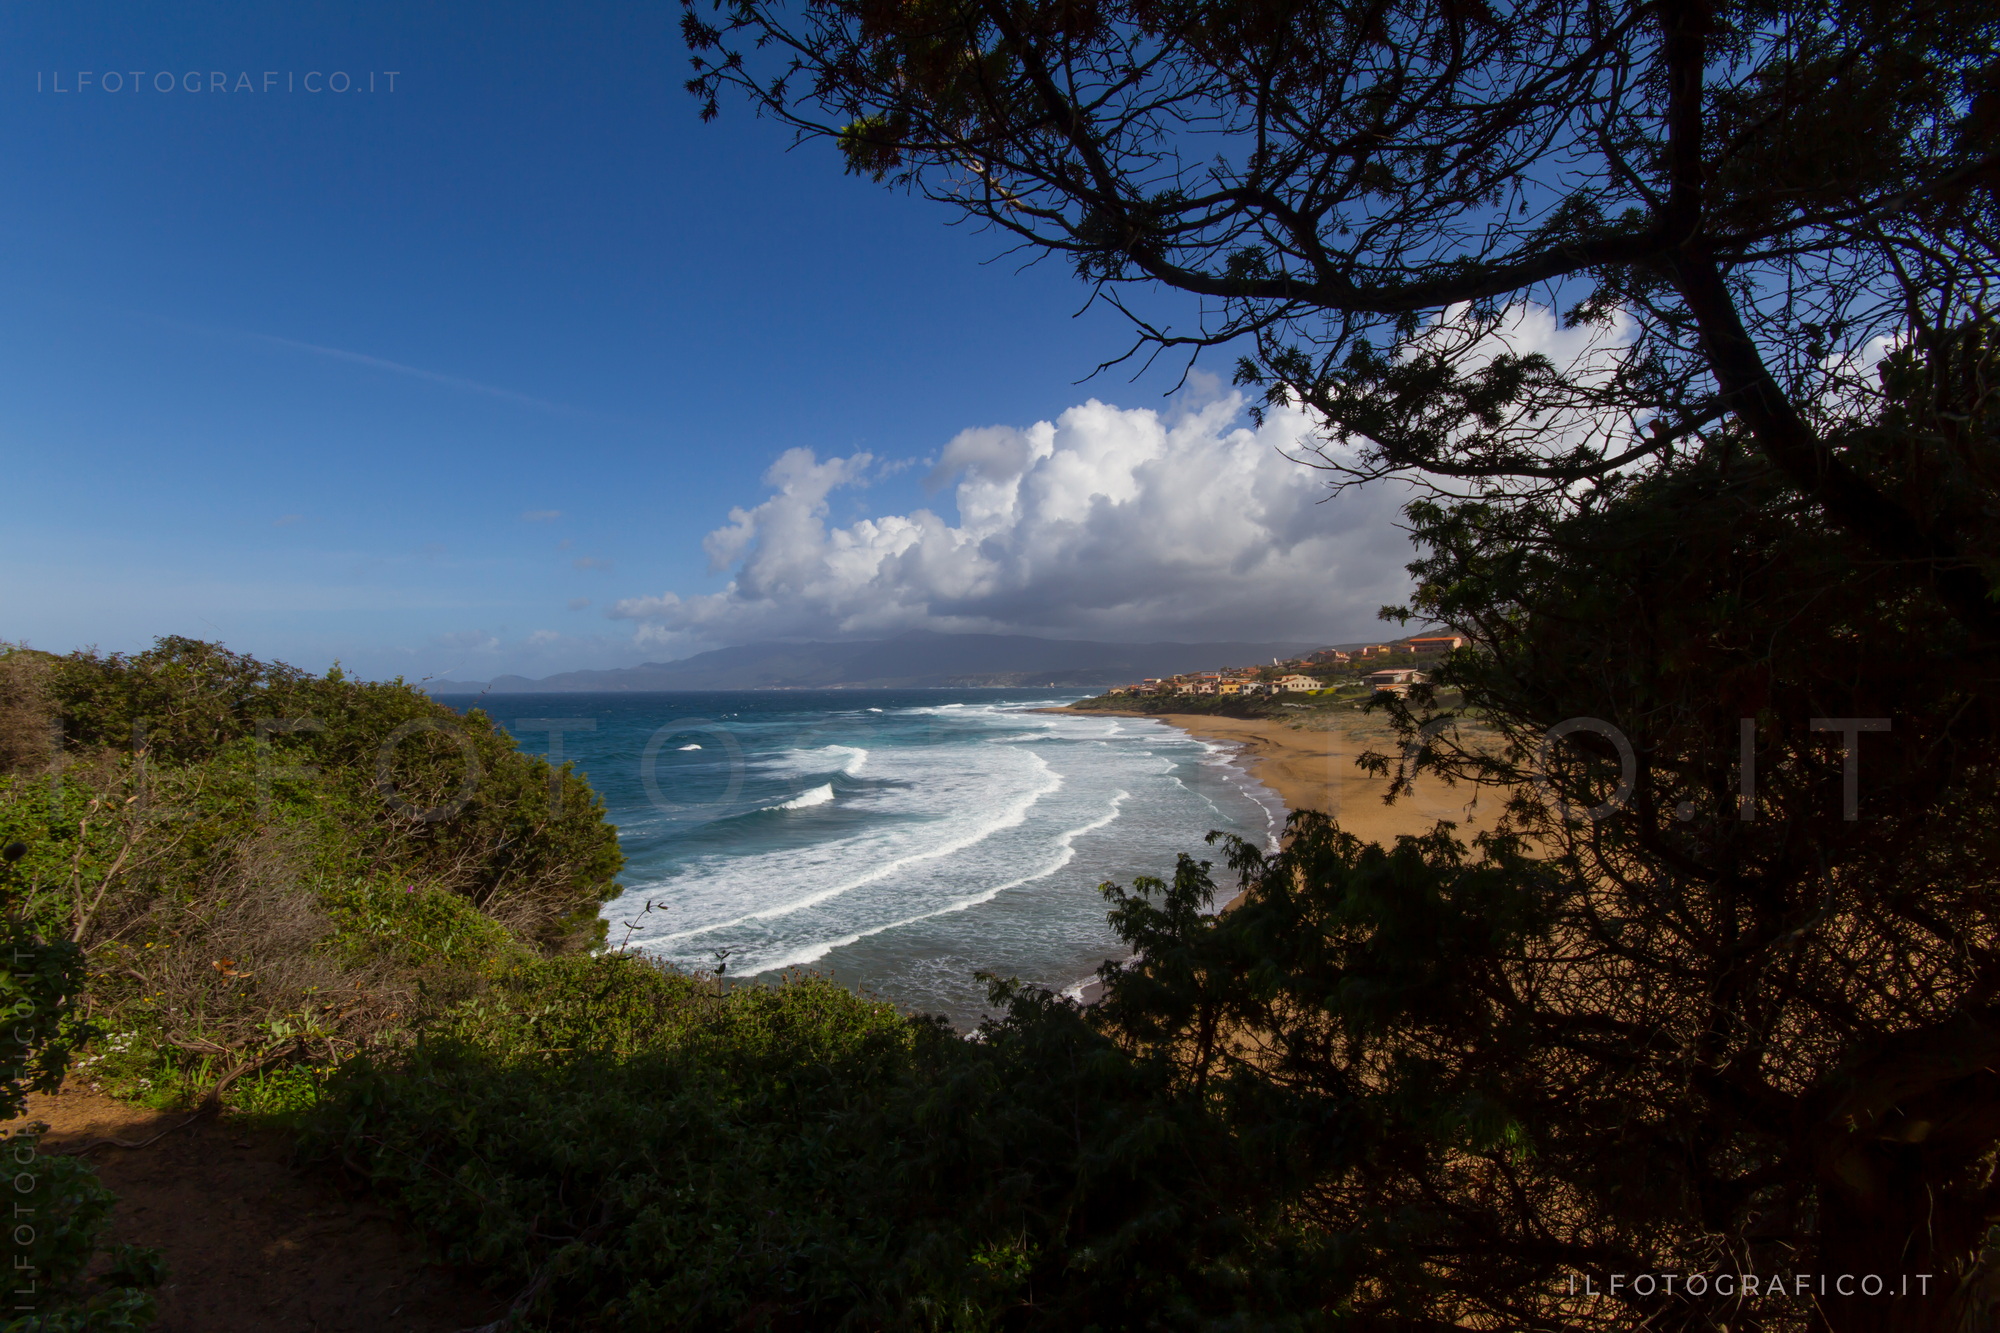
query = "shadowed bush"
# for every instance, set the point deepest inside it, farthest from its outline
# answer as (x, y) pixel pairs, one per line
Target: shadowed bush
(626, 1147)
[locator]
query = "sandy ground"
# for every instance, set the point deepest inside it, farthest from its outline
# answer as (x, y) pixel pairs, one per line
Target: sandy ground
(252, 1245)
(1314, 770)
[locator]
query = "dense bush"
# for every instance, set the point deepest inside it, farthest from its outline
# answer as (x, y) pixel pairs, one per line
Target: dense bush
(625, 1147)
(267, 869)
(1257, 1128)
(39, 983)
(402, 781)
(59, 1210)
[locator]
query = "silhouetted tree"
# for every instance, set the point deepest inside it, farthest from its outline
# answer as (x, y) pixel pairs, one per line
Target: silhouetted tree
(1742, 202)
(1745, 488)
(1671, 1019)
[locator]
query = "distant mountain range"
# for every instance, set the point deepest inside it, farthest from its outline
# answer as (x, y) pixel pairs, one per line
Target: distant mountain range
(917, 659)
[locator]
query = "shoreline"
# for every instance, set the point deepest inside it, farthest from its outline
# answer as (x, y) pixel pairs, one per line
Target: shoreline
(1313, 769)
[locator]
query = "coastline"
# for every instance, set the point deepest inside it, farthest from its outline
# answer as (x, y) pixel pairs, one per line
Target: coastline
(1313, 769)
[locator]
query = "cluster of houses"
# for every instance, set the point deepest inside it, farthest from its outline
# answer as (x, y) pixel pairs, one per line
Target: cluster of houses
(1309, 674)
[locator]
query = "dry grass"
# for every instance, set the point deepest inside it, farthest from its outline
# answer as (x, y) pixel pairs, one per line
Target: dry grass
(241, 970)
(27, 741)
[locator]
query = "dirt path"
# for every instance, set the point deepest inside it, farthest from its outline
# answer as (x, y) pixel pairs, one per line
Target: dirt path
(252, 1245)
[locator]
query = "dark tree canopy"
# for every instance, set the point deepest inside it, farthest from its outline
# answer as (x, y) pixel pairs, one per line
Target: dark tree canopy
(1740, 482)
(1716, 1027)
(1743, 202)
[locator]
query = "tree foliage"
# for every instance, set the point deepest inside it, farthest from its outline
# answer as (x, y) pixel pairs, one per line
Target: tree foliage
(1719, 995)
(1734, 206)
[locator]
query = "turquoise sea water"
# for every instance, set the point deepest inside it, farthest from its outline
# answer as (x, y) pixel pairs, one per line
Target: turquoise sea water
(899, 840)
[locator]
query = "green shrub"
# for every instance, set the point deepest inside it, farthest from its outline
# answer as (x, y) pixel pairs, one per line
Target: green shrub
(415, 925)
(620, 1146)
(630, 1140)
(376, 774)
(266, 869)
(39, 981)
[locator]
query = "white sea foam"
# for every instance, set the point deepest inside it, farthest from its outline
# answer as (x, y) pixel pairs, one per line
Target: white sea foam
(1199, 796)
(846, 759)
(948, 856)
(687, 747)
(1066, 852)
(1228, 757)
(820, 795)
(869, 847)
(1080, 992)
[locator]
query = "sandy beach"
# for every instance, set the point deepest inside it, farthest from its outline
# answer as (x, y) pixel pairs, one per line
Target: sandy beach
(1312, 769)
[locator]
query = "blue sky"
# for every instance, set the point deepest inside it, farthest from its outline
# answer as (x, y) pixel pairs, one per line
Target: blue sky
(406, 377)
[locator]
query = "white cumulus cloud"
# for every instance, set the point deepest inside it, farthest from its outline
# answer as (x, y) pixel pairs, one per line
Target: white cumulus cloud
(1107, 523)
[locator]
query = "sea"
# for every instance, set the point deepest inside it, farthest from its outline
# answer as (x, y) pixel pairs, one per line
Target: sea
(900, 841)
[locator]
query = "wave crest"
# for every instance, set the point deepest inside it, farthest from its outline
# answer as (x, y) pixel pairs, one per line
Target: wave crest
(819, 795)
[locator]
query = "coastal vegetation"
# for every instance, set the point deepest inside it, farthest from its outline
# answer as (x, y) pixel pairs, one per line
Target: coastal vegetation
(406, 969)
(1719, 999)
(225, 878)
(1434, 1081)
(605, 1141)
(260, 865)
(1679, 318)
(1310, 711)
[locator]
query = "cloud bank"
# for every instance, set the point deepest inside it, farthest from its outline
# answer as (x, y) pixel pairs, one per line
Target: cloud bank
(1106, 523)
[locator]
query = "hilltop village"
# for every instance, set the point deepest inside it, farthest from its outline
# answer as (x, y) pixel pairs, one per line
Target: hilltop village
(1381, 668)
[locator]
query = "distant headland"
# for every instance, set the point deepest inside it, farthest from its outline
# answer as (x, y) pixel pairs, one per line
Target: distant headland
(918, 659)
